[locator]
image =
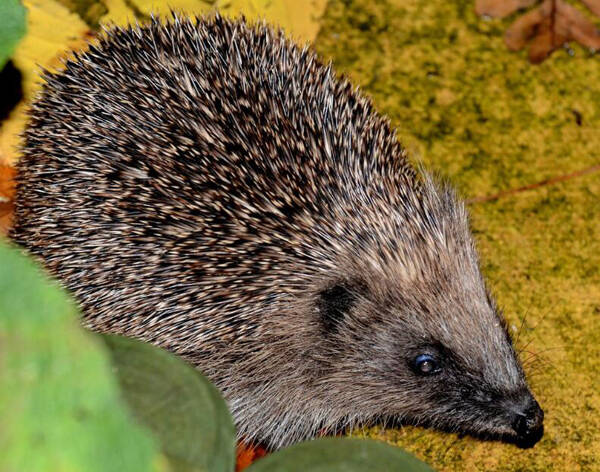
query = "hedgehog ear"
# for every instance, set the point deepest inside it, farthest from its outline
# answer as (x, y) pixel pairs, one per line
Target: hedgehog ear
(333, 304)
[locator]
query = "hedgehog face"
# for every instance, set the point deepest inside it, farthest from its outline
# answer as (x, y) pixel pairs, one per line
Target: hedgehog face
(436, 362)
(430, 343)
(474, 388)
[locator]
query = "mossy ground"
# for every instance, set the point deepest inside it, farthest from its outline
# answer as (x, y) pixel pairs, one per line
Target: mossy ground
(489, 121)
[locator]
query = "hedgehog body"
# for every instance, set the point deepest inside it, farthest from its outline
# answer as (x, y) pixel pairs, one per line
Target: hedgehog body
(214, 189)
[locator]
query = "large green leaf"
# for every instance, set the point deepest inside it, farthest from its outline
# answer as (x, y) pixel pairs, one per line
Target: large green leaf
(184, 411)
(12, 27)
(340, 455)
(60, 408)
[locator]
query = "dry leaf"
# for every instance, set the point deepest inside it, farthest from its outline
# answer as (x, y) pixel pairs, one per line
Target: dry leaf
(246, 455)
(544, 43)
(500, 9)
(593, 6)
(577, 26)
(7, 192)
(51, 31)
(300, 20)
(546, 27)
(523, 29)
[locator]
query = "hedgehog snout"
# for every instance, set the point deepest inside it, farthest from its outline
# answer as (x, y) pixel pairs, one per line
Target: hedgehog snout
(528, 422)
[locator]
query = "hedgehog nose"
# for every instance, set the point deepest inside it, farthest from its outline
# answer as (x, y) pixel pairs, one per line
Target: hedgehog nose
(529, 424)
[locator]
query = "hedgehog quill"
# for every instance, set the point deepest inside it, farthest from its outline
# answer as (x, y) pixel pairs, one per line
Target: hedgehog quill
(212, 188)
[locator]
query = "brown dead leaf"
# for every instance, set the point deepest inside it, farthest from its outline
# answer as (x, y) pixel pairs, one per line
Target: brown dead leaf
(524, 28)
(500, 9)
(593, 6)
(544, 43)
(7, 192)
(577, 26)
(546, 27)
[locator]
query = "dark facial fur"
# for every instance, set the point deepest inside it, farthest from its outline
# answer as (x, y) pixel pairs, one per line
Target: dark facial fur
(216, 190)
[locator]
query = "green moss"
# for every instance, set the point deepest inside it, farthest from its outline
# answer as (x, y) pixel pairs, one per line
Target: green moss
(489, 121)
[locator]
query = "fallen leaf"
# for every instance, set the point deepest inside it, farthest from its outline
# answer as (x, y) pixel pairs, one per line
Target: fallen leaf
(524, 28)
(547, 27)
(52, 31)
(246, 455)
(89, 11)
(7, 193)
(543, 26)
(544, 43)
(593, 6)
(500, 9)
(299, 20)
(576, 26)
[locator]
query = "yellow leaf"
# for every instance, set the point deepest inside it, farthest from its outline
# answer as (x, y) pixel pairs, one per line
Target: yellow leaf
(299, 19)
(144, 8)
(52, 31)
(119, 13)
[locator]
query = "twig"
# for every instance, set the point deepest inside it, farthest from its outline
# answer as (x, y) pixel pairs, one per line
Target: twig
(550, 181)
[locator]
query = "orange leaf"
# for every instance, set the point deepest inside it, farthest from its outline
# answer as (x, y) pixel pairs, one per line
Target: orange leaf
(246, 455)
(7, 192)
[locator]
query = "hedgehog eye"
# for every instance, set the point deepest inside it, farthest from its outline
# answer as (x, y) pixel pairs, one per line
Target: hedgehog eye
(426, 364)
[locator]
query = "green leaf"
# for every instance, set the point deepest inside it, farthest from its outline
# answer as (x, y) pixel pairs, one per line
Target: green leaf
(184, 411)
(340, 454)
(12, 27)
(60, 407)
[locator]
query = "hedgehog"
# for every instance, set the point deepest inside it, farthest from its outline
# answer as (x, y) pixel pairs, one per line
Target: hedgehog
(209, 186)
